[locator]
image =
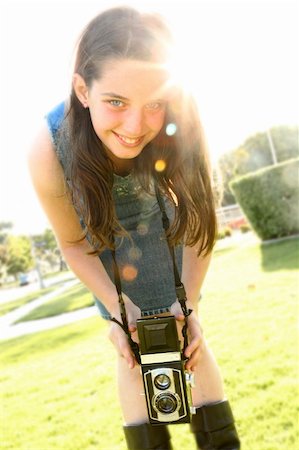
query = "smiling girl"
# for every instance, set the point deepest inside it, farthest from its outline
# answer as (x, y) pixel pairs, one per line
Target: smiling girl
(94, 166)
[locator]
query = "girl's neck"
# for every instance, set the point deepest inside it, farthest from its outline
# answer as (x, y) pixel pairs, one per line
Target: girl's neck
(123, 167)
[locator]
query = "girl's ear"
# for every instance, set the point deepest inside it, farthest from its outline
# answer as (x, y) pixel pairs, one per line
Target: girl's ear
(80, 89)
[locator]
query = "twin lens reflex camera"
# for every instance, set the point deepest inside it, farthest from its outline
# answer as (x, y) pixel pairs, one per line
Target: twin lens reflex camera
(167, 386)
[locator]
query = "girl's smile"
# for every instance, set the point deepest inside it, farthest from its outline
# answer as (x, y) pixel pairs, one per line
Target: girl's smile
(127, 141)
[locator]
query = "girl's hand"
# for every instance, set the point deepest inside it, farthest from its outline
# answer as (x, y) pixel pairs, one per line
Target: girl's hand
(195, 335)
(118, 337)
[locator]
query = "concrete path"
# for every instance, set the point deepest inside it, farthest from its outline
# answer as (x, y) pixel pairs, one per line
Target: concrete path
(34, 326)
(8, 330)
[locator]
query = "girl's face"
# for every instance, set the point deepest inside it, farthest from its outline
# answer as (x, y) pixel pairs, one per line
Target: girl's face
(127, 106)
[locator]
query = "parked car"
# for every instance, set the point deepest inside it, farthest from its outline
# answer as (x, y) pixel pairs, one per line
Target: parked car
(24, 279)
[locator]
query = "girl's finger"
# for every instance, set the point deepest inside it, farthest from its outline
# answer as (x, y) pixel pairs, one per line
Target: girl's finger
(126, 353)
(179, 316)
(193, 346)
(191, 363)
(132, 327)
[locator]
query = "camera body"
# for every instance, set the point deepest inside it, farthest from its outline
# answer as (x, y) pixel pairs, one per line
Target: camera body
(166, 384)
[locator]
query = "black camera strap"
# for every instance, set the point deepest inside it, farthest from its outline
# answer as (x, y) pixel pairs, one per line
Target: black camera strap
(124, 324)
(179, 287)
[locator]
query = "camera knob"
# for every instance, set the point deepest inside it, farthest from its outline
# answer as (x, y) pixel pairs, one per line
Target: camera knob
(190, 379)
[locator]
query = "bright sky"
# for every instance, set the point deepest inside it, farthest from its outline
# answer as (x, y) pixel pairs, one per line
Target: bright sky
(245, 73)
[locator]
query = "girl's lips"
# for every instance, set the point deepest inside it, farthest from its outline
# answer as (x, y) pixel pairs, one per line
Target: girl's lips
(129, 142)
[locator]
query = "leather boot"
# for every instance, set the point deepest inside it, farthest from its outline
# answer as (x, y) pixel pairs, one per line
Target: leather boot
(214, 429)
(147, 437)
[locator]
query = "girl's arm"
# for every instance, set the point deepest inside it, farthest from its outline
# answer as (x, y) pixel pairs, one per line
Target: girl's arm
(49, 183)
(194, 271)
(193, 274)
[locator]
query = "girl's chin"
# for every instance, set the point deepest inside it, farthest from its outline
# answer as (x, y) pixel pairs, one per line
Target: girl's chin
(122, 155)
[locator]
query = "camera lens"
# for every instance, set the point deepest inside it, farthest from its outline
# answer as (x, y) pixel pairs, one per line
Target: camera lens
(166, 403)
(162, 381)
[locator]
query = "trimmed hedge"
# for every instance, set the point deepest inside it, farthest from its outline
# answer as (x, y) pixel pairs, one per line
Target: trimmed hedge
(269, 198)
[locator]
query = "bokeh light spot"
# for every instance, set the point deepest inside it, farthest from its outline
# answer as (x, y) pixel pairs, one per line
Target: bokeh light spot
(171, 129)
(129, 272)
(135, 253)
(160, 165)
(142, 229)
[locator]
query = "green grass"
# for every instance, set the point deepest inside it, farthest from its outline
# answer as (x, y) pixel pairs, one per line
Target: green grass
(76, 297)
(14, 304)
(58, 386)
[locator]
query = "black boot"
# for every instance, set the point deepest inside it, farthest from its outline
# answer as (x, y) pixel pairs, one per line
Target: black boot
(214, 429)
(147, 437)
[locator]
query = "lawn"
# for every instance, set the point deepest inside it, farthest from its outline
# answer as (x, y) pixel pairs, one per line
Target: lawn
(14, 304)
(72, 299)
(58, 388)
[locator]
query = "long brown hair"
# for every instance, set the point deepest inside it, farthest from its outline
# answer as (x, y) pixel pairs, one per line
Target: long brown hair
(124, 33)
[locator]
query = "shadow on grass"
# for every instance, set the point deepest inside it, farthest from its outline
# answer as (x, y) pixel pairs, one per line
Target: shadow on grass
(282, 255)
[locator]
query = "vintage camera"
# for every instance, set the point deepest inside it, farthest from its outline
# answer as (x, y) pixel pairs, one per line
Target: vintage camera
(167, 386)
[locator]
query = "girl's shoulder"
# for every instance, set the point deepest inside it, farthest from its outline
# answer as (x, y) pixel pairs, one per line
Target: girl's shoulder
(54, 119)
(43, 163)
(58, 130)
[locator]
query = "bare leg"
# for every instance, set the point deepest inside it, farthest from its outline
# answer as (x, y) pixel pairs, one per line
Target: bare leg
(131, 394)
(208, 381)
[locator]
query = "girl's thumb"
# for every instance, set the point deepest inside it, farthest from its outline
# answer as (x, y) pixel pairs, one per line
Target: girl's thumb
(179, 316)
(132, 327)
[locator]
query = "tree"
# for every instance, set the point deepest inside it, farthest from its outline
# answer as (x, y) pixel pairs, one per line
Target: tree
(46, 249)
(46, 240)
(255, 153)
(4, 226)
(19, 258)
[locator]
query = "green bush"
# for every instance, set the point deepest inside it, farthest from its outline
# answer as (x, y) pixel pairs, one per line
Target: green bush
(224, 232)
(245, 228)
(269, 198)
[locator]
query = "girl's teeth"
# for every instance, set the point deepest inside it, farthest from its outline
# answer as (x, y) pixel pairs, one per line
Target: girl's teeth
(129, 140)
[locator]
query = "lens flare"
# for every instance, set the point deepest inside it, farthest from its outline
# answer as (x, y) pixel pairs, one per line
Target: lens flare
(160, 165)
(170, 129)
(129, 272)
(142, 229)
(134, 253)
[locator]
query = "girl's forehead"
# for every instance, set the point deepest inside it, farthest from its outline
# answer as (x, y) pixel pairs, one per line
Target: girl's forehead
(134, 76)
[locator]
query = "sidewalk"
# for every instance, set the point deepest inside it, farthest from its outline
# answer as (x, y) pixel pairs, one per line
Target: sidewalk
(8, 330)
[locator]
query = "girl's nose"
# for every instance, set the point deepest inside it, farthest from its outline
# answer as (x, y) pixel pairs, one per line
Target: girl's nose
(133, 124)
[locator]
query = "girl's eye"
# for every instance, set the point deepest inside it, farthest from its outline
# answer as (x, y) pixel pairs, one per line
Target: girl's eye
(154, 106)
(116, 103)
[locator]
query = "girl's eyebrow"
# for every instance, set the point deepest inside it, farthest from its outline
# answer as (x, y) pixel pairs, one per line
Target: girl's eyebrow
(112, 94)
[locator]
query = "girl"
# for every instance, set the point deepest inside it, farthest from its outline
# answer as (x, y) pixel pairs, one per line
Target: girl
(126, 127)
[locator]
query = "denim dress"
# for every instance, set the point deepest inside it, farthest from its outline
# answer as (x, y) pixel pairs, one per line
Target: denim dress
(143, 258)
